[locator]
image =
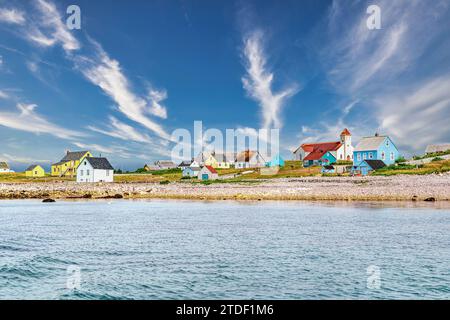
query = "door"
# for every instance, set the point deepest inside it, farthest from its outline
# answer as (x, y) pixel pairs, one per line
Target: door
(205, 176)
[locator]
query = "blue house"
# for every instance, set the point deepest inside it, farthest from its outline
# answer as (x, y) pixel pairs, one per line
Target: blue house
(375, 148)
(276, 161)
(191, 172)
(328, 158)
(367, 166)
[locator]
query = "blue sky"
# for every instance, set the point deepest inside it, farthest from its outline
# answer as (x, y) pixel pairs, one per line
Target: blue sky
(137, 70)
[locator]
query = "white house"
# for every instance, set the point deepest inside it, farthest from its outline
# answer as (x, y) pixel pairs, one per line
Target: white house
(342, 150)
(95, 170)
(4, 168)
(208, 173)
(249, 159)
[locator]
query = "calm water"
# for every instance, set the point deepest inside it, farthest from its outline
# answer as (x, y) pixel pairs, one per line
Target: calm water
(222, 250)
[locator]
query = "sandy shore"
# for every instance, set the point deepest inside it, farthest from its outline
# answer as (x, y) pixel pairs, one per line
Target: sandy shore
(408, 187)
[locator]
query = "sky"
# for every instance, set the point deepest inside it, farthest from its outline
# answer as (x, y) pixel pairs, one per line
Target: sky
(138, 70)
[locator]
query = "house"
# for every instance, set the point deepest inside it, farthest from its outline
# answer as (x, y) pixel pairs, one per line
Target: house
(207, 173)
(195, 164)
(317, 154)
(68, 165)
(151, 167)
(165, 164)
(35, 171)
(367, 166)
(276, 161)
(4, 168)
(249, 159)
(202, 157)
(223, 160)
(342, 150)
(185, 164)
(375, 148)
(436, 148)
(95, 170)
(190, 172)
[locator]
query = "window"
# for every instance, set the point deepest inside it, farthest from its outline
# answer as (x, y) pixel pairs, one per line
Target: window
(341, 157)
(383, 156)
(87, 172)
(370, 155)
(392, 156)
(81, 172)
(107, 173)
(387, 143)
(364, 156)
(359, 156)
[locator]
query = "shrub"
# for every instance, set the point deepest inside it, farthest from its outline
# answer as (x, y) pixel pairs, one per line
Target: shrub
(400, 160)
(437, 159)
(164, 182)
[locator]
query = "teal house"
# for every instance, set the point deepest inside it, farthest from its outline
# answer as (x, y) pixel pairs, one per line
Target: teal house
(277, 161)
(328, 158)
(374, 148)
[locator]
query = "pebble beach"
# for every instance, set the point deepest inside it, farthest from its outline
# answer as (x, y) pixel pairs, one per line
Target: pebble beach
(435, 187)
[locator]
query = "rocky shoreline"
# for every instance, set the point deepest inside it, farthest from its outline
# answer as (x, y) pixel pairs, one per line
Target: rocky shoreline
(394, 188)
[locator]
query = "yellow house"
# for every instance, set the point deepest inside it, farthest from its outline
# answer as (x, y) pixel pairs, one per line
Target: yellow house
(211, 161)
(35, 171)
(67, 167)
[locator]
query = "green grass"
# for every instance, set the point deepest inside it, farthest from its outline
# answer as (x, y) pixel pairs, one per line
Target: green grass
(432, 155)
(429, 168)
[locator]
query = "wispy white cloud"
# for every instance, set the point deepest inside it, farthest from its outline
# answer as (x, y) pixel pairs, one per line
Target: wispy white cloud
(417, 115)
(107, 74)
(258, 82)
(3, 95)
(20, 159)
(382, 70)
(122, 131)
(52, 29)
(155, 98)
(12, 16)
(27, 119)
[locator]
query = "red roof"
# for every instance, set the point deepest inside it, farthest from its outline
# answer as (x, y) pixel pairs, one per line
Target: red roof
(318, 150)
(211, 169)
(346, 132)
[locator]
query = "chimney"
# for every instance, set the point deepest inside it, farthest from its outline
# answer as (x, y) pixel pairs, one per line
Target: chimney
(376, 134)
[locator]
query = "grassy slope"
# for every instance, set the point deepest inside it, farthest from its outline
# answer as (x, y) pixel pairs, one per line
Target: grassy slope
(429, 168)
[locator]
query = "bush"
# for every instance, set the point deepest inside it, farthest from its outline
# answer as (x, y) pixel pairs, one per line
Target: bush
(164, 182)
(400, 160)
(168, 171)
(186, 178)
(437, 159)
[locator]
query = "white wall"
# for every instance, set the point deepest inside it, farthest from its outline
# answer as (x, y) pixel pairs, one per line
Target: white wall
(95, 175)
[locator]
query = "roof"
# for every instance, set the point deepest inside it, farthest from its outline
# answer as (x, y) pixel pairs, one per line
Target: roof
(100, 163)
(185, 163)
(375, 164)
(432, 148)
(4, 165)
(345, 132)
(192, 168)
(211, 169)
(220, 157)
(318, 150)
(72, 156)
(32, 167)
(370, 143)
(164, 163)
